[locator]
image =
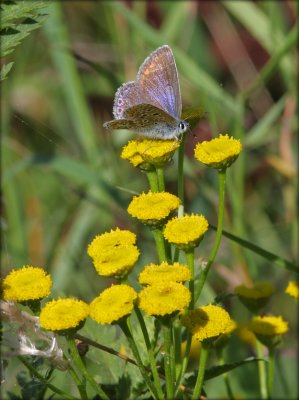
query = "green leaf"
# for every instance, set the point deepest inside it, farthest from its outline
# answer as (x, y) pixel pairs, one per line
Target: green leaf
(18, 19)
(213, 372)
(5, 70)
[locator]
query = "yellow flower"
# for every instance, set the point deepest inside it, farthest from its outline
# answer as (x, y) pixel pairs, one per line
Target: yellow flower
(116, 262)
(63, 314)
(164, 298)
(27, 283)
(218, 153)
(113, 304)
(153, 274)
(147, 151)
(268, 326)
(255, 297)
(208, 322)
(293, 289)
(153, 208)
(112, 239)
(114, 253)
(186, 232)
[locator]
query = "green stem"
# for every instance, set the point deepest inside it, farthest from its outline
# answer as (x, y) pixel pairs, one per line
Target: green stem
(271, 371)
(262, 371)
(204, 273)
(190, 263)
(44, 380)
(153, 180)
(160, 244)
(150, 351)
(177, 334)
(127, 332)
(184, 362)
(181, 169)
(229, 391)
(168, 362)
(80, 365)
(201, 370)
(161, 181)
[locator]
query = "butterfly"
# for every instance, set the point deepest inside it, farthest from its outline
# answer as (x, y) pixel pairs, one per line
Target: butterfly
(151, 105)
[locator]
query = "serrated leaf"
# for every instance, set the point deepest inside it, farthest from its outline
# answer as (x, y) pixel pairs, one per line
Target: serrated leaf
(17, 21)
(213, 372)
(5, 70)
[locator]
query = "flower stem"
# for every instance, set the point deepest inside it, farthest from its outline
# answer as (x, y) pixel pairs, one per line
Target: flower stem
(201, 370)
(127, 331)
(271, 371)
(226, 380)
(150, 353)
(168, 362)
(262, 371)
(204, 273)
(161, 181)
(184, 362)
(190, 263)
(160, 244)
(80, 365)
(153, 180)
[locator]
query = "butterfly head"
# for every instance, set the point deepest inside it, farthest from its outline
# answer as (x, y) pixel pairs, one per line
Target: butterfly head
(182, 127)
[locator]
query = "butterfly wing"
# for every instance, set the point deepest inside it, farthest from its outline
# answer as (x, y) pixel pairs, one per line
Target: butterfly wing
(156, 84)
(119, 124)
(158, 81)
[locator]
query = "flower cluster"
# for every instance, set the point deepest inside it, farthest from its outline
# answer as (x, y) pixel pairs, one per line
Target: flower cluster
(114, 253)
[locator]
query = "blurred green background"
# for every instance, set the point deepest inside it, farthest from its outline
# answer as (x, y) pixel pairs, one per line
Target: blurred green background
(64, 182)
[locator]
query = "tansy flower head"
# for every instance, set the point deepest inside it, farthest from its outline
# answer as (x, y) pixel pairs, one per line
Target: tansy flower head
(27, 283)
(114, 253)
(112, 239)
(268, 329)
(164, 299)
(153, 274)
(186, 232)
(255, 297)
(208, 322)
(218, 153)
(113, 304)
(64, 315)
(293, 289)
(153, 208)
(148, 152)
(116, 262)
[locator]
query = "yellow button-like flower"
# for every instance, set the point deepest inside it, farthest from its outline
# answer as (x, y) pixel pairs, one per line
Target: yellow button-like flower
(114, 253)
(268, 325)
(63, 314)
(293, 289)
(149, 152)
(186, 232)
(164, 299)
(27, 283)
(268, 329)
(112, 239)
(218, 153)
(153, 208)
(255, 297)
(116, 262)
(113, 304)
(208, 322)
(153, 274)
